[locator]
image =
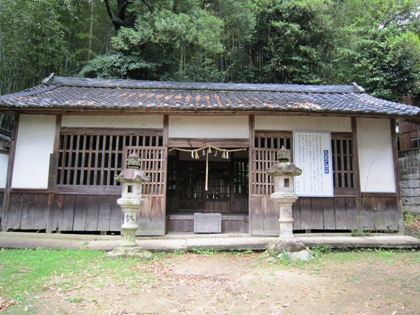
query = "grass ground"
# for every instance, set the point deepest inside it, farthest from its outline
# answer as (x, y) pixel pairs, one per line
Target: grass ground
(87, 282)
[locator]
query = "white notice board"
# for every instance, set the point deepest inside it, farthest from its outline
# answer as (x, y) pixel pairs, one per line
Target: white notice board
(312, 154)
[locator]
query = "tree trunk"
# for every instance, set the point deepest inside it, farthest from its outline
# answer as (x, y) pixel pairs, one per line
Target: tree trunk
(181, 68)
(90, 30)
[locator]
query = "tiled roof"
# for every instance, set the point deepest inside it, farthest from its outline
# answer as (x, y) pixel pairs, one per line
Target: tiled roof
(99, 94)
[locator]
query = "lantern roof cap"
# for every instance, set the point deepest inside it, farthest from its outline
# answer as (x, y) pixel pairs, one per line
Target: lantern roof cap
(132, 175)
(284, 167)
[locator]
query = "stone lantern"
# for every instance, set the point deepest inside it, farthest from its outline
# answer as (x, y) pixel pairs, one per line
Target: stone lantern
(130, 202)
(284, 195)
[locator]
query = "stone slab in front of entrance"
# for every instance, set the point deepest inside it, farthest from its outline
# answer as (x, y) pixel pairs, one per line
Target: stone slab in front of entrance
(207, 222)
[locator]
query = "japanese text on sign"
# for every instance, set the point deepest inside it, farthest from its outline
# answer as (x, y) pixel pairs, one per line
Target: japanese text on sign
(312, 153)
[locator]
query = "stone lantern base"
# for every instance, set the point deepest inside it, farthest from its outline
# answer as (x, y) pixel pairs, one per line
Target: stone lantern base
(292, 249)
(285, 202)
(132, 251)
(287, 246)
(130, 207)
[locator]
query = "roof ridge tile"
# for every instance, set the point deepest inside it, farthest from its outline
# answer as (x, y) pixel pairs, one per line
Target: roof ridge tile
(171, 85)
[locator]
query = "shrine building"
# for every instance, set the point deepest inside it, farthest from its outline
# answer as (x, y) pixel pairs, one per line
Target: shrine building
(206, 148)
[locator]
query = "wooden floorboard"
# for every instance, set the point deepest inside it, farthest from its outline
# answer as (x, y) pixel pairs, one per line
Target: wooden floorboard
(92, 212)
(27, 212)
(79, 221)
(40, 218)
(328, 213)
(104, 213)
(67, 213)
(13, 213)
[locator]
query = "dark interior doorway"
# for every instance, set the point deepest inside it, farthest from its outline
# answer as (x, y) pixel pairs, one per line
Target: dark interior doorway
(227, 183)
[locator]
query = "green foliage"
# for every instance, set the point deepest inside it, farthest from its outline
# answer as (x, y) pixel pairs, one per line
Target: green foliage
(284, 259)
(294, 38)
(32, 42)
(321, 249)
(44, 36)
(179, 252)
(205, 252)
(388, 63)
(181, 38)
(118, 65)
(409, 217)
(375, 43)
(378, 46)
(411, 223)
(239, 22)
(89, 33)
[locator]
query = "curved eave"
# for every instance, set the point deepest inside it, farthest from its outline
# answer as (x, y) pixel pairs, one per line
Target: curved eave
(177, 110)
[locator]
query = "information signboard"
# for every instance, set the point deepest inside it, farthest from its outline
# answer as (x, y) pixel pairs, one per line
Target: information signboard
(312, 153)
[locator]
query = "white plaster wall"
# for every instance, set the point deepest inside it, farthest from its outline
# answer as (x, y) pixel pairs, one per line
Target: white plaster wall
(132, 121)
(218, 127)
(290, 123)
(4, 160)
(376, 159)
(35, 143)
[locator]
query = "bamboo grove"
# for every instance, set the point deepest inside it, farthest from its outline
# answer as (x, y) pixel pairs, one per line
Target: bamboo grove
(375, 43)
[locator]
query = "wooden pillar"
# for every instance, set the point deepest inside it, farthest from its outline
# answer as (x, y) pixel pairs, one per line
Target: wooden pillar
(165, 130)
(250, 167)
(12, 152)
(356, 169)
(165, 137)
(396, 173)
(52, 177)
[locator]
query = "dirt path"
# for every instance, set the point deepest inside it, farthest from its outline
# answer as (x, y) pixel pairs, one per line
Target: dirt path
(242, 284)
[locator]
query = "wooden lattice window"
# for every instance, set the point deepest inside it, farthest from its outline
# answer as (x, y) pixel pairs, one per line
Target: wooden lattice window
(92, 157)
(269, 141)
(240, 177)
(153, 163)
(342, 154)
(172, 176)
(263, 156)
(191, 181)
(219, 182)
